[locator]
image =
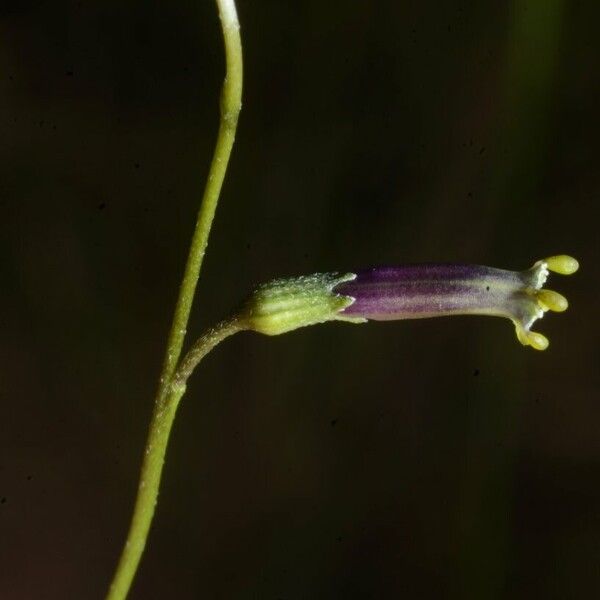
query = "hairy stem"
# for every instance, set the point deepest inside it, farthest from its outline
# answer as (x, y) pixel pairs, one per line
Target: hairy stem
(203, 346)
(231, 104)
(171, 388)
(154, 457)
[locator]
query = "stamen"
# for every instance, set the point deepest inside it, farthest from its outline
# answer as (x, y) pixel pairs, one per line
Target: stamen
(550, 300)
(537, 340)
(531, 338)
(562, 264)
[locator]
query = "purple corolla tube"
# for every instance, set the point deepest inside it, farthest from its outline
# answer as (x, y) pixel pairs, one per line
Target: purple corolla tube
(436, 290)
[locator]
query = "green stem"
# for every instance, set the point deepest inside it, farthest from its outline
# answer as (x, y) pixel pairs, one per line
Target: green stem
(154, 457)
(172, 385)
(231, 104)
(203, 346)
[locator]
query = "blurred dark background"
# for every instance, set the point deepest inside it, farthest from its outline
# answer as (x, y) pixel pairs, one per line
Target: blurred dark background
(424, 459)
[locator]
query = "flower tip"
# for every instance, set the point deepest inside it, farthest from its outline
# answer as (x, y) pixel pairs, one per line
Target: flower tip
(562, 264)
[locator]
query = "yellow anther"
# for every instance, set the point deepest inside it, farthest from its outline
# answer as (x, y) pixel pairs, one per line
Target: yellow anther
(531, 338)
(537, 340)
(550, 300)
(563, 264)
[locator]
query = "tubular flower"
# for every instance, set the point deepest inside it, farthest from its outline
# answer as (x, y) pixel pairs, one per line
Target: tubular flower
(435, 290)
(409, 292)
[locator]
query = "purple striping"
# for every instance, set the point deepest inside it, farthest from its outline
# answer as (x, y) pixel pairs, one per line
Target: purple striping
(412, 291)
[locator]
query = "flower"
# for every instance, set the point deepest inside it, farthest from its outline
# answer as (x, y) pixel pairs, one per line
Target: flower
(435, 290)
(409, 292)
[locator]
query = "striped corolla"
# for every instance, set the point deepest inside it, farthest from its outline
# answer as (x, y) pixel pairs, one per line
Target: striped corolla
(411, 292)
(436, 290)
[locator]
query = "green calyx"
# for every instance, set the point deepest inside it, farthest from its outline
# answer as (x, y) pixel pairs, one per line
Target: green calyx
(283, 305)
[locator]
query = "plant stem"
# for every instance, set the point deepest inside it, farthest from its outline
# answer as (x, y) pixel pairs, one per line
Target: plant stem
(231, 104)
(156, 447)
(170, 391)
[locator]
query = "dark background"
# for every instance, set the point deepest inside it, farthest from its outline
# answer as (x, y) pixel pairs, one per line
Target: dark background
(417, 459)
